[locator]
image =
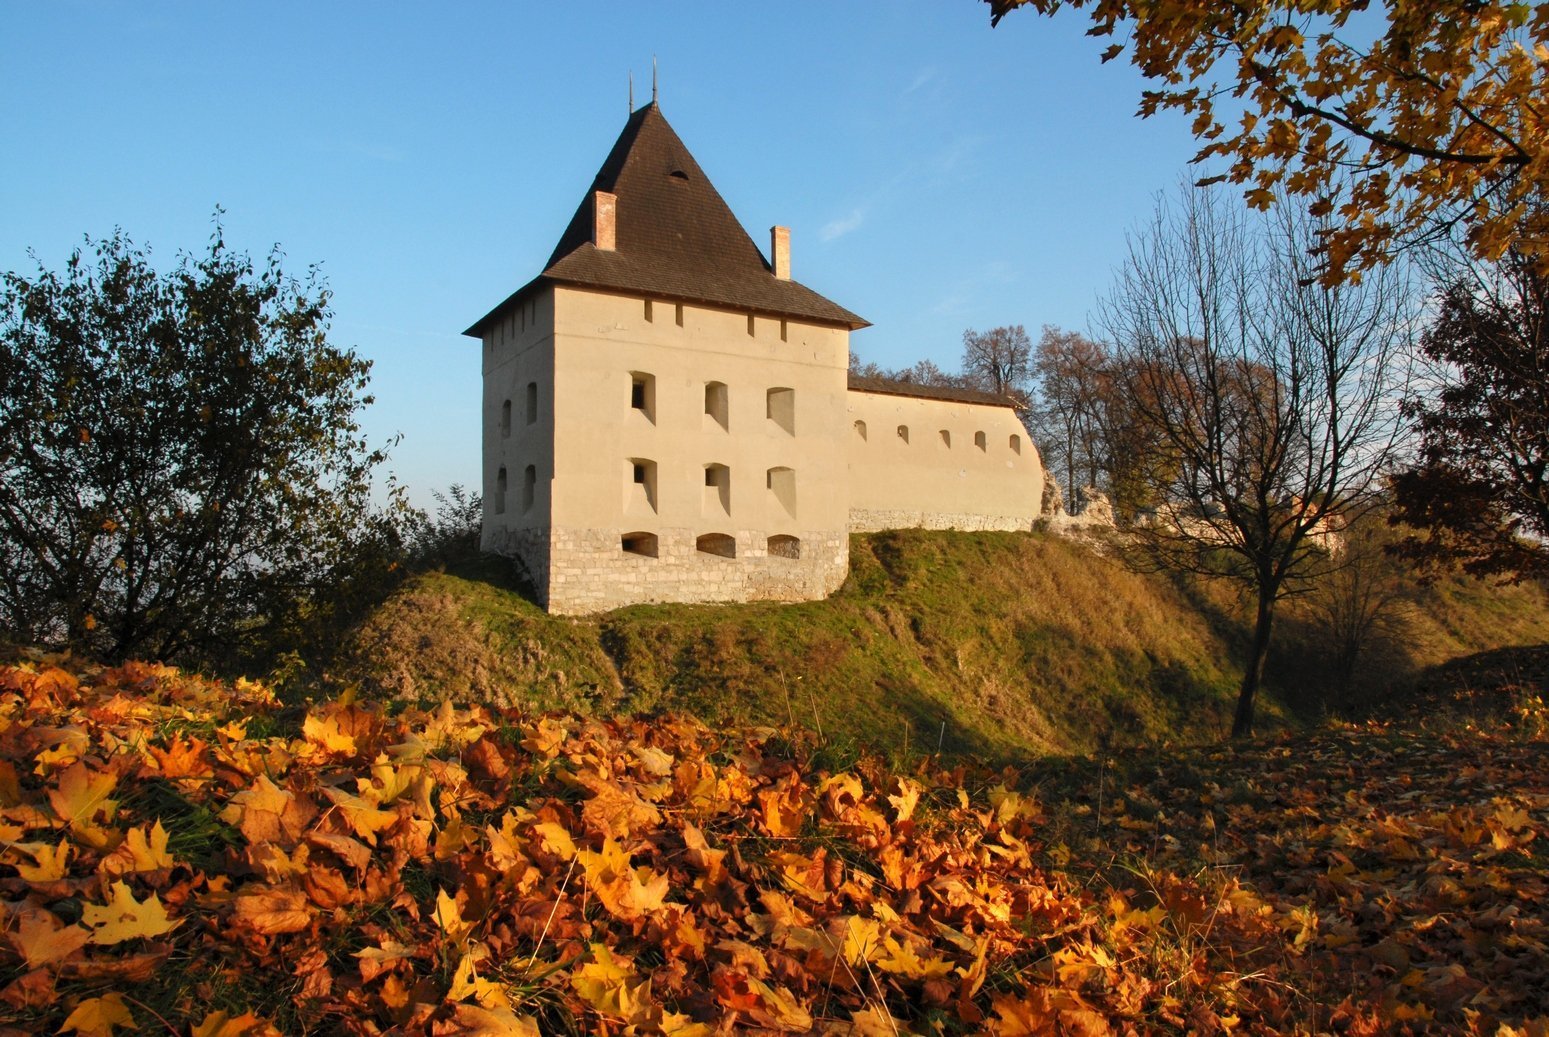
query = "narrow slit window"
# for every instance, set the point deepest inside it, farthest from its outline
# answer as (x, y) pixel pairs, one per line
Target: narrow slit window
(640, 484)
(716, 403)
(717, 500)
(783, 332)
(946, 439)
(1016, 444)
(979, 440)
(529, 486)
(782, 487)
(532, 402)
(903, 433)
(505, 419)
(678, 314)
(752, 327)
(650, 318)
(642, 394)
(860, 430)
(500, 491)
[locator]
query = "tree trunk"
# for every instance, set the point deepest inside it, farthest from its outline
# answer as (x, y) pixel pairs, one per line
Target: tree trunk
(1253, 676)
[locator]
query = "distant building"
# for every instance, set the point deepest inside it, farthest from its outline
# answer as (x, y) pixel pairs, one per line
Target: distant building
(668, 415)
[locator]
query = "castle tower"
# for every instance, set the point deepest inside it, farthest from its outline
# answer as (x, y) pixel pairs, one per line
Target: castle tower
(664, 407)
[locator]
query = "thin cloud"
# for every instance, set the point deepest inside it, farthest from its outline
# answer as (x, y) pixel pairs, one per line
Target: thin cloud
(842, 226)
(925, 75)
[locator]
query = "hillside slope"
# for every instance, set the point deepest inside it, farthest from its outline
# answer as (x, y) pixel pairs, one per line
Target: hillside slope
(993, 644)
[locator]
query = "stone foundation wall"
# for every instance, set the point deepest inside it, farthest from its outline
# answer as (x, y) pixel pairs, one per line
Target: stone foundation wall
(529, 547)
(871, 520)
(590, 572)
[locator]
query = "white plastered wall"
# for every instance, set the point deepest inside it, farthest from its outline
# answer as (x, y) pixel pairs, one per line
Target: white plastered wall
(931, 481)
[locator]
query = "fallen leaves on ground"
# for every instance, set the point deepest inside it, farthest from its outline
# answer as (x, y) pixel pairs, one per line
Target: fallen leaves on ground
(179, 852)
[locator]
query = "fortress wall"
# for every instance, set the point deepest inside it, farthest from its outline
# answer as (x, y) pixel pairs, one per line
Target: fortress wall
(517, 430)
(983, 474)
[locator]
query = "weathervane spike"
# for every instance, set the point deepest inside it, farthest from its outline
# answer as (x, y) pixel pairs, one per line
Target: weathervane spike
(653, 78)
(631, 91)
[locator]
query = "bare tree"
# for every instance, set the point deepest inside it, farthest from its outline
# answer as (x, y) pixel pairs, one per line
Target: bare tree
(999, 360)
(1271, 399)
(1065, 415)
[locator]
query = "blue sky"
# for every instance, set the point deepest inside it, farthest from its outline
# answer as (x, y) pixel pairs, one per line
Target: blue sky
(937, 175)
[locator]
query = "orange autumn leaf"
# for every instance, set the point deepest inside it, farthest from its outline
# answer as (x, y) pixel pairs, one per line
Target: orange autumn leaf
(41, 939)
(99, 1016)
(125, 918)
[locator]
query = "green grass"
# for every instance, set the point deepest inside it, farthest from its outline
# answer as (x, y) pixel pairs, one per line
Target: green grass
(989, 644)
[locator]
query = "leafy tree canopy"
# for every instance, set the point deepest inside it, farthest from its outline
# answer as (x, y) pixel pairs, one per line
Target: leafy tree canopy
(1398, 122)
(180, 465)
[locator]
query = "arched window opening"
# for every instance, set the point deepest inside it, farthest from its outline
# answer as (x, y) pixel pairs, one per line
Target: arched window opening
(505, 420)
(529, 486)
(783, 545)
(1016, 444)
(718, 544)
(860, 430)
(903, 433)
(979, 441)
(946, 439)
(500, 491)
(532, 402)
(640, 543)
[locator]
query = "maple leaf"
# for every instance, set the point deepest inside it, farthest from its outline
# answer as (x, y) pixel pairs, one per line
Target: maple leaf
(467, 983)
(376, 960)
(362, 816)
(450, 918)
(41, 939)
(907, 799)
(612, 987)
(271, 911)
(50, 861)
(80, 795)
(142, 850)
(125, 918)
(97, 1016)
(494, 1022)
(626, 892)
(224, 1024)
(324, 733)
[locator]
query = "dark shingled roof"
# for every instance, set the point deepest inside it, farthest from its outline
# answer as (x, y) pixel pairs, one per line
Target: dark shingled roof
(893, 387)
(676, 238)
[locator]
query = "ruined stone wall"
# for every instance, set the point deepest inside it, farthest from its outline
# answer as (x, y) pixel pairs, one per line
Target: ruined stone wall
(871, 520)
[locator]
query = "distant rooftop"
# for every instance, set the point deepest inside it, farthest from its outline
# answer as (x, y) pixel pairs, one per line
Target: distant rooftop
(676, 238)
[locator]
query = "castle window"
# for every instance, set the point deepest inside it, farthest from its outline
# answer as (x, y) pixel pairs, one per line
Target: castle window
(782, 331)
(946, 439)
(678, 174)
(783, 545)
(780, 408)
(782, 486)
(500, 491)
(860, 430)
(644, 544)
(649, 318)
(752, 327)
(640, 487)
(719, 544)
(716, 403)
(505, 419)
(903, 433)
(678, 316)
(532, 402)
(642, 394)
(529, 486)
(717, 500)
(979, 440)
(1016, 444)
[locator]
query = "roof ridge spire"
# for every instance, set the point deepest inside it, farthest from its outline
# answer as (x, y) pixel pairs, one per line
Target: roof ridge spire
(653, 78)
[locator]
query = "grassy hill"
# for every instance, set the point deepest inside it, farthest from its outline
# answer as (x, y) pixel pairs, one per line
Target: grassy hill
(993, 644)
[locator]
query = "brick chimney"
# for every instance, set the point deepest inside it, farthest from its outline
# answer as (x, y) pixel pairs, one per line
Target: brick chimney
(780, 251)
(605, 209)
